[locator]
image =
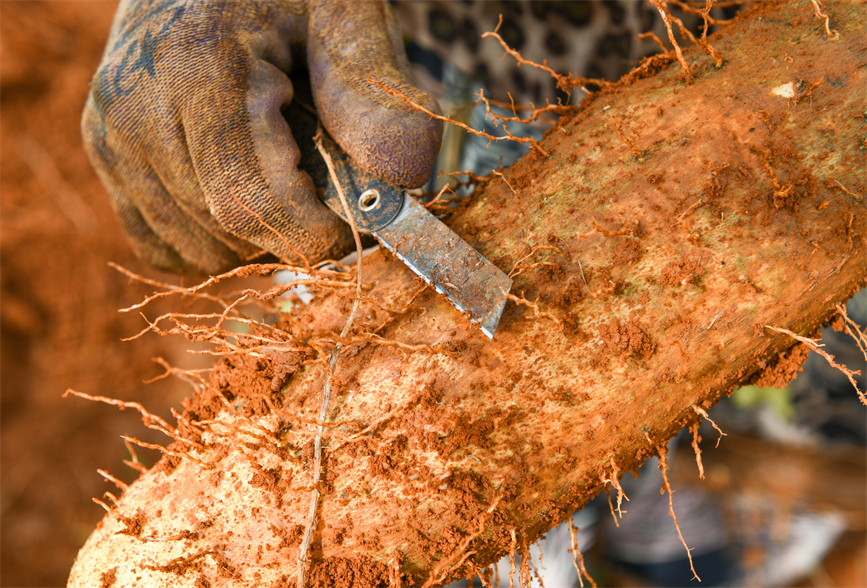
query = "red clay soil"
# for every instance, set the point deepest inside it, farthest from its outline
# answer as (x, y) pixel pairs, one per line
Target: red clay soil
(58, 306)
(441, 450)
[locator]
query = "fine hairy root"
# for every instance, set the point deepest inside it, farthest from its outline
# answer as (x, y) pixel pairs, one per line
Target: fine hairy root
(662, 8)
(566, 83)
(506, 137)
(615, 482)
(578, 559)
(817, 6)
(814, 345)
(666, 487)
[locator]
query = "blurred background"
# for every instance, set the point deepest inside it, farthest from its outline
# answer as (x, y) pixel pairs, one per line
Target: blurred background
(788, 483)
(59, 301)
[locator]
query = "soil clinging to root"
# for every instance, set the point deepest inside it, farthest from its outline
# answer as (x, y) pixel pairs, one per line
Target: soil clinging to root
(446, 450)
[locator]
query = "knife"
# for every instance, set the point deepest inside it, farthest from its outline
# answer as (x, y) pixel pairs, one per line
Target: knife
(419, 239)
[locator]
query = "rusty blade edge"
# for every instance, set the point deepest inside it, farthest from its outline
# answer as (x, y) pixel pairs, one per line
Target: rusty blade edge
(495, 298)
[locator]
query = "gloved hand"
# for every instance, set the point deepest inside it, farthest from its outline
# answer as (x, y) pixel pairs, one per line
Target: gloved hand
(184, 124)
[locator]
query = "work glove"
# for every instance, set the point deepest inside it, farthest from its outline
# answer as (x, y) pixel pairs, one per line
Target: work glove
(185, 126)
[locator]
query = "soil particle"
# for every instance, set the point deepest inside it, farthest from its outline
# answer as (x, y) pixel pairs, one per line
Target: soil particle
(837, 323)
(290, 537)
(656, 178)
(784, 368)
(467, 432)
(682, 272)
(167, 464)
(134, 524)
(432, 392)
(379, 465)
(268, 478)
(467, 483)
(283, 364)
(260, 378)
(720, 176)
(108, 578)
(627, 339)
(449, 538)
(629, 251)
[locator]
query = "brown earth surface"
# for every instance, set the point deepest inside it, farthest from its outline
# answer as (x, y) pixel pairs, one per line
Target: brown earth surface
(60, 325)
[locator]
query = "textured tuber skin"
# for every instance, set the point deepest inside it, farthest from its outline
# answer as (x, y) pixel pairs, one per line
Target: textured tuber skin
(730, 219)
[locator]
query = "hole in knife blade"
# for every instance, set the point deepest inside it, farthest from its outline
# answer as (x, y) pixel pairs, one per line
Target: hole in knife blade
(368, 200)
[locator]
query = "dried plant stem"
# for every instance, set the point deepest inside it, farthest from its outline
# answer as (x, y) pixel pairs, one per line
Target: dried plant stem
(310, 526)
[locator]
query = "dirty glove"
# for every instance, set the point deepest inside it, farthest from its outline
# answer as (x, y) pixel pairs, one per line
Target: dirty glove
(184, 124)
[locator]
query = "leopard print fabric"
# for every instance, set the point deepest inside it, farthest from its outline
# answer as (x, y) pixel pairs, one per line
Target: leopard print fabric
(589, 38)
(592, 38)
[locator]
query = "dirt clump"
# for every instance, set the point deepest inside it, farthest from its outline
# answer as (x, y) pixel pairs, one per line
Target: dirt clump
(783, 369)
(628, 251)
(682, 272)
(348, 573)
(108, 578)
(627, 339)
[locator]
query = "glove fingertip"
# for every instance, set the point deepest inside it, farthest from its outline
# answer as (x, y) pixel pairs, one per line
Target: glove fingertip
(383, 133)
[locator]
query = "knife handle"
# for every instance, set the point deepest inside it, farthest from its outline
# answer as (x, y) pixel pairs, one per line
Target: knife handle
(372, 202)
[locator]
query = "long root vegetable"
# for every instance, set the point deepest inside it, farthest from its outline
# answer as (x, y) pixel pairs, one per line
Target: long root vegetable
(652, 279)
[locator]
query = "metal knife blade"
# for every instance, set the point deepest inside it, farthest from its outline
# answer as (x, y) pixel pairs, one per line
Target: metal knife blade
(448, 263)
(424, 243)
